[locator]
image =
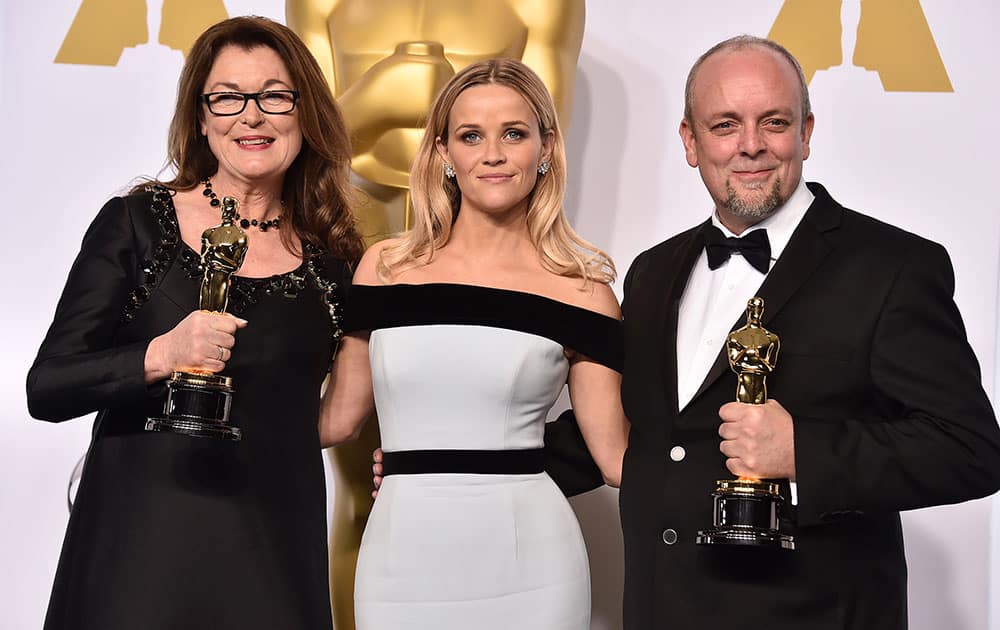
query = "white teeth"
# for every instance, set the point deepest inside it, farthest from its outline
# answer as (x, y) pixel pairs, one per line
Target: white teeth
(255, 141)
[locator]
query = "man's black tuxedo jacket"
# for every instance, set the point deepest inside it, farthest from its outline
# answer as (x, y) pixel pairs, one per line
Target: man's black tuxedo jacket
(889, 415)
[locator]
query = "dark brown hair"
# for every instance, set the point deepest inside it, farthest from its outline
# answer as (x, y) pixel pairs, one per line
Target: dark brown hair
(317, 188)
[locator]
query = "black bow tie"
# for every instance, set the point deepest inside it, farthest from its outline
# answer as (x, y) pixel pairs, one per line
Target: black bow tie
(754, 247)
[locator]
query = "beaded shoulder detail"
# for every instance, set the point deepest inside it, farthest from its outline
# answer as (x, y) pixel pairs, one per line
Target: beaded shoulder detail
(244, 292)
(151, 269)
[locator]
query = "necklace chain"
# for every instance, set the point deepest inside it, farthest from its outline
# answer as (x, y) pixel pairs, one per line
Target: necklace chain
(244, 223)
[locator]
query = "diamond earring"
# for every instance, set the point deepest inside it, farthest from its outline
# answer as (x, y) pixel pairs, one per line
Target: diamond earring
(449, 171)
(544, 167)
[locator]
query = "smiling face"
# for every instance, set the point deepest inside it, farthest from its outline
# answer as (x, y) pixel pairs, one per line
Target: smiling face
(251, 147)
(746, 134)
(495, 145)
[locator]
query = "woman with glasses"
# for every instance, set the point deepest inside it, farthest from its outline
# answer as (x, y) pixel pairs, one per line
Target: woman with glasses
(174, 531)
(464, 331)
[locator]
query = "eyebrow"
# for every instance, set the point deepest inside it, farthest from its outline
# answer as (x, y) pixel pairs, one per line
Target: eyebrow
(235, 86)
(787, 113)
(509, 123)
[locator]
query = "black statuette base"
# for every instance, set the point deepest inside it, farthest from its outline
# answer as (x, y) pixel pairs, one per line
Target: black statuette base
(745, 537)
(197, 405)
(746, 514)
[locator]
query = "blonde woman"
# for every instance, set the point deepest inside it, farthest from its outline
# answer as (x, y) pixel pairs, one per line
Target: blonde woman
(468, 326)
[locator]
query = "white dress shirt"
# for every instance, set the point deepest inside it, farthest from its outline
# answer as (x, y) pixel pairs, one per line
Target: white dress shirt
(714, 300)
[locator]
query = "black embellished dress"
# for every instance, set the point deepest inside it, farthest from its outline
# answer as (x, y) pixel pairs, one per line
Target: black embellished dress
(169, 531)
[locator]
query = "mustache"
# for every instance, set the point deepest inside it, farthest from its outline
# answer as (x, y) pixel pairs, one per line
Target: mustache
(750, 166)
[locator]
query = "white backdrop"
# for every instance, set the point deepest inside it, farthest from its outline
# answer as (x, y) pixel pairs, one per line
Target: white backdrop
(76, 135)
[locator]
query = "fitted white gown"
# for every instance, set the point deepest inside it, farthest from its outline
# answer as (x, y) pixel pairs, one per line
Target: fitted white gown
(461, 368)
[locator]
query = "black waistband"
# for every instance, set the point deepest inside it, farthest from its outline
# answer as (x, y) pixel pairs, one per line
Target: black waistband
(514, 462)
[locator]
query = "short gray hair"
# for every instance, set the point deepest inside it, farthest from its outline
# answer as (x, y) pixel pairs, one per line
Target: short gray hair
(738, 43)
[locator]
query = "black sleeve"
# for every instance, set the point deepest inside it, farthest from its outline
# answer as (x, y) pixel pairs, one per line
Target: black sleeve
(79, 369)
(942, 445)
(567, 459)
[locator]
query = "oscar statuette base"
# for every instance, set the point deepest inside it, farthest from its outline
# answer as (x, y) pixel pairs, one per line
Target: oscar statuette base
(746, 514)
(198, 406)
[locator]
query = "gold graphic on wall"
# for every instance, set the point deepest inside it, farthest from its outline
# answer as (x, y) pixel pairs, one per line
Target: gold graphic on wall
(103, 29)
(817, 47)
(893, 39)
(386, 61)
(184, 20)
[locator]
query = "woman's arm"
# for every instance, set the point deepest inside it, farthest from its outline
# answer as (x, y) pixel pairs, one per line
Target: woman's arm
(349, 399)
(78, 369)
(595, 392)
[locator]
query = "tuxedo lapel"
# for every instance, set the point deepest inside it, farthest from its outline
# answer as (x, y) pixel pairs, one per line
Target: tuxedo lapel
(677, 278)
(805, 251)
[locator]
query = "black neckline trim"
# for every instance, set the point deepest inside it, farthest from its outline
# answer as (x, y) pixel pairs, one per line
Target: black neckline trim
(245, 290)
(597, 336)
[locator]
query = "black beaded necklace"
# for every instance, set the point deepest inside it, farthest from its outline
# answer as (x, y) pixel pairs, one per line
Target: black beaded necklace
(263, 226)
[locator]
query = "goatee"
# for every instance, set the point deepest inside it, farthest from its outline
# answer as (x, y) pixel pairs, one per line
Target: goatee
(753, 208)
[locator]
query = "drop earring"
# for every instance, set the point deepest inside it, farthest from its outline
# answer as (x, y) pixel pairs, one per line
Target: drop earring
(544, 167)
(449, 171)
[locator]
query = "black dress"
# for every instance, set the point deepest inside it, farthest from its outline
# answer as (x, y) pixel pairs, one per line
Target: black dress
(170, 531)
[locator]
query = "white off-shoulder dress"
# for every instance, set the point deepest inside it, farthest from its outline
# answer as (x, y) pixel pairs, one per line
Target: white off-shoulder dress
(468, 531)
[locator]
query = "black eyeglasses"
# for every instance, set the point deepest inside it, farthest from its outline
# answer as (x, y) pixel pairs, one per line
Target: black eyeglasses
(233, 103)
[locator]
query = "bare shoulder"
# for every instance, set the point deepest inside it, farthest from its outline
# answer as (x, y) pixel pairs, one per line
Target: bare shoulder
(592, 295)
(367, 272)
(602, 299)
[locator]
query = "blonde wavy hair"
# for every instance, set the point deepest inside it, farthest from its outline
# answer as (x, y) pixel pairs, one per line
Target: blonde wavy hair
(436, 199)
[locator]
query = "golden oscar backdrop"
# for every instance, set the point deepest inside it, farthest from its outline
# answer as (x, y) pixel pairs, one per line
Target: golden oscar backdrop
(386, 61)
(103, 29)
(893, 39)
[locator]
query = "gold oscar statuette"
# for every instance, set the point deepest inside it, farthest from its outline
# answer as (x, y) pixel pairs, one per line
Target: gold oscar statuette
(746, 510)
(198, 401)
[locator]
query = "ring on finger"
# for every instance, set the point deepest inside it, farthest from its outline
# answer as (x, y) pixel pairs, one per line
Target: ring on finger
(221, 353)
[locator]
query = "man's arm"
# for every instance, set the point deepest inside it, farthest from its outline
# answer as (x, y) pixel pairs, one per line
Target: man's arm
(934, 439)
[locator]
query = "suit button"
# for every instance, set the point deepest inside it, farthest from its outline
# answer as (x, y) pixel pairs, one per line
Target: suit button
(677, 453)
(669, 536)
